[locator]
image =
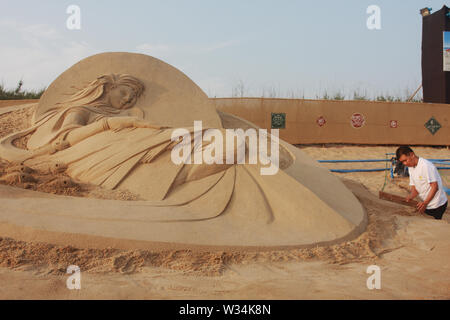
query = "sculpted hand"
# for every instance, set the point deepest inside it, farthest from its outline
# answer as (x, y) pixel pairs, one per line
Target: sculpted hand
(117, 124)
(145, 124)
(59, 145)
(55, 146)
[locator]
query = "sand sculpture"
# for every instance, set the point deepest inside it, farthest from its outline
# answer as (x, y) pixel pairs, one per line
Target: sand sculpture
(108, 121)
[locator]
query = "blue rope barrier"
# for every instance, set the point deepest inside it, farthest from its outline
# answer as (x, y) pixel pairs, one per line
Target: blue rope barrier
(435, 161)
(374, 170)
(359, 170)
(441, 161)
(367, 160)
(447, 190)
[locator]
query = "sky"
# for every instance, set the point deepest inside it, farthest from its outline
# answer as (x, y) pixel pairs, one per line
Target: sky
(283, 48)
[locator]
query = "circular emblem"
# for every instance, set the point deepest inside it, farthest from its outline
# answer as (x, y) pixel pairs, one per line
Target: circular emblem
(321, 121)
(393, 124)
(358, 120)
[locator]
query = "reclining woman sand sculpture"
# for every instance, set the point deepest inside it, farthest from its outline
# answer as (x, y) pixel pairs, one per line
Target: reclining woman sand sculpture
(100, 136)
(96, 127)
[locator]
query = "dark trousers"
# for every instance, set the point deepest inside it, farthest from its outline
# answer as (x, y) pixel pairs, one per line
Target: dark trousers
(437, 212)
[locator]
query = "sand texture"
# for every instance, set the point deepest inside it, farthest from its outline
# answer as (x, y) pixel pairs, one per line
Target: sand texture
(302, 205)
(411, 249)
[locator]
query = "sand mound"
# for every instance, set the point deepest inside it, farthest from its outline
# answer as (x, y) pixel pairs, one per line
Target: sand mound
(50, 258)
(53, 258)
(133, 221)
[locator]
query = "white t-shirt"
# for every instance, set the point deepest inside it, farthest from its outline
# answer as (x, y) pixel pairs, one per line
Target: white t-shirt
(421, 176)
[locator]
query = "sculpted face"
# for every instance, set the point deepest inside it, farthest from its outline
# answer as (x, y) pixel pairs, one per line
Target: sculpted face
(122, 97)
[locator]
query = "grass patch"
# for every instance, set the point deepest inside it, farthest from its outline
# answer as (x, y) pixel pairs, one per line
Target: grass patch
(18, 93)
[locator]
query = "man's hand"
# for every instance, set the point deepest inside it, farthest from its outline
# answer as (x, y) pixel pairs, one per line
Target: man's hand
(412, 194)
(421, 206)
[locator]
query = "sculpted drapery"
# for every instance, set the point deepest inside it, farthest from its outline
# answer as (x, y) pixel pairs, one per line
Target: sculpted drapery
(101, 138)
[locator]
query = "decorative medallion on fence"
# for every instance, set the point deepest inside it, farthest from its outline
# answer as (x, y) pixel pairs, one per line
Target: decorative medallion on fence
(357, 120)
(321, 121)
(278, 120)
(393, 124)
(432, 125)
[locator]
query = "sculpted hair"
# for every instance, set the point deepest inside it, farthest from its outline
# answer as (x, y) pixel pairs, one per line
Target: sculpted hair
(403, 150)
(91, 94)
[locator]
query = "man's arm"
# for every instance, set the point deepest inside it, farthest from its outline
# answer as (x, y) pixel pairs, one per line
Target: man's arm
(412, 194)
(432, 176)
(421, 206)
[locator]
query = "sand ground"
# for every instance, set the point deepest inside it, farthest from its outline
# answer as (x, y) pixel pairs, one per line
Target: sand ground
(414, 264)
(411, 250)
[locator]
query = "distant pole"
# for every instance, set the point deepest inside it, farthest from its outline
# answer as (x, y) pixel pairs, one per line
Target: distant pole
(414, 94)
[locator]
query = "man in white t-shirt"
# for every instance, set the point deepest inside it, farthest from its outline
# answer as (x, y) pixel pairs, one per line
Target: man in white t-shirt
(425, 182)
